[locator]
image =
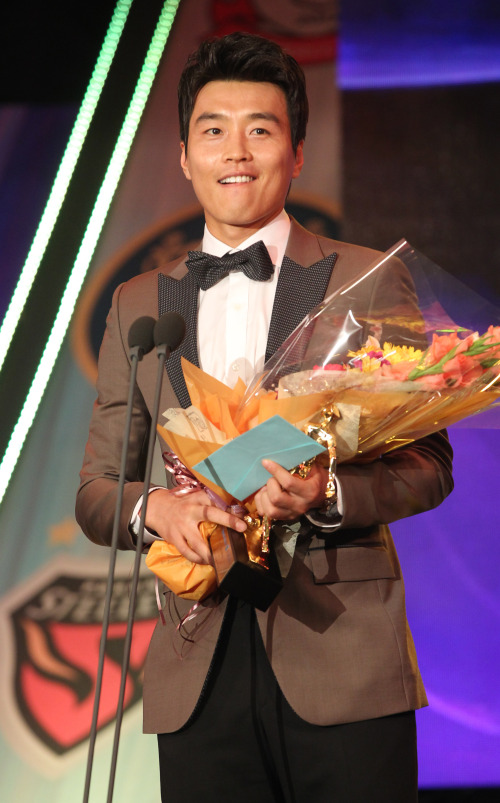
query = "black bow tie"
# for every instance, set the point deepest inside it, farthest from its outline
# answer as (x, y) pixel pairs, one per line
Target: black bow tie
(207, 270)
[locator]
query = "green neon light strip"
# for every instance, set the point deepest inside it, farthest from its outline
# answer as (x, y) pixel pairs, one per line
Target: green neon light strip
(88, 244)
(63, 177)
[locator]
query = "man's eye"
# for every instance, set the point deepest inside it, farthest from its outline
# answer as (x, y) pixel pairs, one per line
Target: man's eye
(213, 131)
(260, 131)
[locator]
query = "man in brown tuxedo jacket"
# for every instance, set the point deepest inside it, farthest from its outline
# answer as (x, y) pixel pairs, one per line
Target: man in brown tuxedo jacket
(314, 699)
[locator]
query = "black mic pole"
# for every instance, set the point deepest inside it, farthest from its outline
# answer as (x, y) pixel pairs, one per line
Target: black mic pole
(140, 341)
(168, 334)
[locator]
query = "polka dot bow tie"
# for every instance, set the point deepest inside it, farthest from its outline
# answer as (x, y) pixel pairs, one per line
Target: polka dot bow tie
(207, 270)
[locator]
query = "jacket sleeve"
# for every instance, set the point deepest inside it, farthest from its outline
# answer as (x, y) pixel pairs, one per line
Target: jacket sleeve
(98, 491)
(404, 482)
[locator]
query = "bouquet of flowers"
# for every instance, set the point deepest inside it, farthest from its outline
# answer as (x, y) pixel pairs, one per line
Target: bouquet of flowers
(397, 362)
(400, 352)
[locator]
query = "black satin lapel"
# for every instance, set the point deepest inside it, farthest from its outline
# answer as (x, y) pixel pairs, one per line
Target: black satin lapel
(298, 291)
(180, 295)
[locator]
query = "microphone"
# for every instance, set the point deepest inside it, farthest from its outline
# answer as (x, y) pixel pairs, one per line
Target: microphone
(168, 334)
(140, 337)
(140, 342)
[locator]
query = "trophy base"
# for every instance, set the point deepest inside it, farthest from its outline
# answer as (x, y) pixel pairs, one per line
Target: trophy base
(238, 575)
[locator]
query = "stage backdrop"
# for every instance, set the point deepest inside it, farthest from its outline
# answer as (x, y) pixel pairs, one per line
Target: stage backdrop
(52, 580)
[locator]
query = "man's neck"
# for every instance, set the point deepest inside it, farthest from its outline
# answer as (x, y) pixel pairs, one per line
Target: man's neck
(274, 234)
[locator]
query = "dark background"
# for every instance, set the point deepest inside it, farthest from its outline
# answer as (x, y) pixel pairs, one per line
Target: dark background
(38, 40)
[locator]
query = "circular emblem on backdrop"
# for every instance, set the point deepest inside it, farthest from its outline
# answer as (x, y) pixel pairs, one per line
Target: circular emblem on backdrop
(167, 240)
(50, 627)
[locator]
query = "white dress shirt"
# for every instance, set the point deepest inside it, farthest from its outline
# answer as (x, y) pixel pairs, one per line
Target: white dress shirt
(234, 315)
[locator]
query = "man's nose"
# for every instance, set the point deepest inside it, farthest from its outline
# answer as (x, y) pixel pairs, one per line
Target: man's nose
(237, 149)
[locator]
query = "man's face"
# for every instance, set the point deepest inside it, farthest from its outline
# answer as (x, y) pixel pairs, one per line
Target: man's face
(240, 156)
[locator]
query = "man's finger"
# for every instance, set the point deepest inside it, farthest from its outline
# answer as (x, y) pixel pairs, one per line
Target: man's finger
(282, 476)
(203, 556)
(225, 519)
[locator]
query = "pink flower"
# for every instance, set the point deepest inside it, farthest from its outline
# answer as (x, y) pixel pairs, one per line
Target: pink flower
(399, 370)
(432, 381)
(493, 335)
(443, 344)
(461, 370)
(331, 366)
(466, 343)
(440, 346)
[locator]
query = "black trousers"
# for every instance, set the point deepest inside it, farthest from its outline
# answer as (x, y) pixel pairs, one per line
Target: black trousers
(246, 745)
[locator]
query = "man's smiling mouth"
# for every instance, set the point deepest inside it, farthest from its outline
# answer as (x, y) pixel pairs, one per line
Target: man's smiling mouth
(236, 180)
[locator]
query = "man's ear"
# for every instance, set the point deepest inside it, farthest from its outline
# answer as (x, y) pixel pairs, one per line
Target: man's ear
(184, 162)
(299, 159)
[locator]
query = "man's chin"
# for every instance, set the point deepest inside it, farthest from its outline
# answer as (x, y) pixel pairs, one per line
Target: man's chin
(238, 227)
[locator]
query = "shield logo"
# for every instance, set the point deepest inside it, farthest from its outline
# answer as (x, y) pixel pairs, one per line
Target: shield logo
(54, 623)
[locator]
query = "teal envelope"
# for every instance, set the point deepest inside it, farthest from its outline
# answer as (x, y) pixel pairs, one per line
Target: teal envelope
(237, 467)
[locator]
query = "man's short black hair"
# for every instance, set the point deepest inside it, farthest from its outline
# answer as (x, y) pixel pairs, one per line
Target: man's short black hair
(244, 57)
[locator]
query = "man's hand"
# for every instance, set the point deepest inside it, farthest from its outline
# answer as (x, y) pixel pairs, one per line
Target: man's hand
(176, 517)
(286, 497)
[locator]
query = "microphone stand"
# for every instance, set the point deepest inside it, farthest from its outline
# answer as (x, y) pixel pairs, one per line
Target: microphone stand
(142, 328)
(163, 350)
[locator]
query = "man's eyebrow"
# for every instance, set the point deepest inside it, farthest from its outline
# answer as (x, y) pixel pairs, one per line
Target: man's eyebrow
(264, 116)
(210, 116)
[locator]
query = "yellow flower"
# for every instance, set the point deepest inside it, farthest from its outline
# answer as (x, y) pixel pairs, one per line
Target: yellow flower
(372, 356)
(398, 353)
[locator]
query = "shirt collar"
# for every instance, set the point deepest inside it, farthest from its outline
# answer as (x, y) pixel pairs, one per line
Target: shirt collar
(274, 235)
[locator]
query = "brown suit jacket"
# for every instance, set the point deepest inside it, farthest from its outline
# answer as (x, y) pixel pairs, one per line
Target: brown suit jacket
(337, 635)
